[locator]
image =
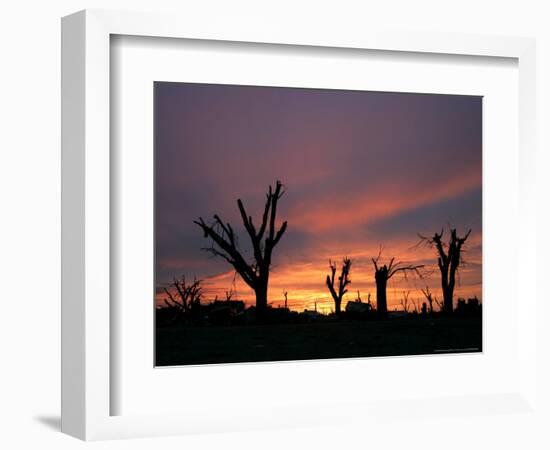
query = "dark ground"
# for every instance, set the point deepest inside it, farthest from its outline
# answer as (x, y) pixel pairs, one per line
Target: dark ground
(249, 343)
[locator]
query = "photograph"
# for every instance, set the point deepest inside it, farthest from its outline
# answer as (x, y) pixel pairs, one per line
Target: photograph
(296, 223)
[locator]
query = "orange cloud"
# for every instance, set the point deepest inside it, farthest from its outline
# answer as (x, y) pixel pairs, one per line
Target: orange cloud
(383, 202)
(305, 281)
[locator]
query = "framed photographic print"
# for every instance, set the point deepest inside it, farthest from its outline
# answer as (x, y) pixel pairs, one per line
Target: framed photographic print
(252, 217)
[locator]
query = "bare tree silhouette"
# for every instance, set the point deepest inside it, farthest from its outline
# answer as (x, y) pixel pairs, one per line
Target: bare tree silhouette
(449, 258)
(343, 281)
(383, 273)
(186, 296)
(415, 305)
(405, 301)
(256, 274)
(429, 298)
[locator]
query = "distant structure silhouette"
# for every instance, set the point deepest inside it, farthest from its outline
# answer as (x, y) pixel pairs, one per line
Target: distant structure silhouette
(469, 308)
(357, 309)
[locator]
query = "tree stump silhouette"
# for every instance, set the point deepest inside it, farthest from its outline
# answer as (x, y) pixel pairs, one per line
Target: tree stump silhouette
(381, 276)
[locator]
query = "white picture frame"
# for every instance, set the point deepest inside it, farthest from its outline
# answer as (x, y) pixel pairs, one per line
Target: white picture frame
(86, 219)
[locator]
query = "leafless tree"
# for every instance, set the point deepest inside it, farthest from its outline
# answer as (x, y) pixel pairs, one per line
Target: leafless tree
(415, 305)
(186, 297)
(264, 240)
(448, 261)
(429, 298)
(382, 273)
(339, 290)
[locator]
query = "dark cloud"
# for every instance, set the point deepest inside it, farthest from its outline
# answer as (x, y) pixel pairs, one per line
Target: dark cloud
(462, 212)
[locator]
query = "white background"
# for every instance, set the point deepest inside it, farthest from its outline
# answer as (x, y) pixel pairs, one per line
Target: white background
(142, 389)
(30, 186)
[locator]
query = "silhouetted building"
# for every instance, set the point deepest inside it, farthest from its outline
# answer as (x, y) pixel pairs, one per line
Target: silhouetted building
(469, 308)
(312, 315)
(355, 307)
(222, 311)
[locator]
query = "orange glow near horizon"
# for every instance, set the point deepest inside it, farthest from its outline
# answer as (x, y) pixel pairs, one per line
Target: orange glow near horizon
(305, 282)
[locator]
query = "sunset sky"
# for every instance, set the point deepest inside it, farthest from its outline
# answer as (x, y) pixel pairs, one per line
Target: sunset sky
(361, 170)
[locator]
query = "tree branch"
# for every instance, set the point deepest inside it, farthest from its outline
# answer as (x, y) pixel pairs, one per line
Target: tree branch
(231, 255)
(396, 269)
(280, 233)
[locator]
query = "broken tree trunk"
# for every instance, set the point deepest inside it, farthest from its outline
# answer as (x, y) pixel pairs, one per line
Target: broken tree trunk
(381, 276)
